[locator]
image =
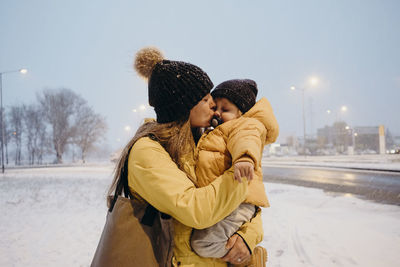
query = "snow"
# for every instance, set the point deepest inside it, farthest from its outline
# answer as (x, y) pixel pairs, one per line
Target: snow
(307, 227)
(54, 217)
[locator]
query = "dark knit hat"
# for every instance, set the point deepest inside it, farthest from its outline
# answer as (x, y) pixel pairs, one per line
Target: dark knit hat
(175, 87)
(242, 93)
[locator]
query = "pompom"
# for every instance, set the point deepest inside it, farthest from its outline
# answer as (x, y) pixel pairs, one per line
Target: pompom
(145, 60)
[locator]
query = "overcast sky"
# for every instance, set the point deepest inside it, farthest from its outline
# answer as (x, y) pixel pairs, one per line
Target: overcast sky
(88, 46)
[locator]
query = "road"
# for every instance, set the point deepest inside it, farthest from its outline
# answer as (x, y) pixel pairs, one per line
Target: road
(381, 187)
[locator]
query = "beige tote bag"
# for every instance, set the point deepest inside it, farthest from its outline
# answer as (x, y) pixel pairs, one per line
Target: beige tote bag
(135, 233)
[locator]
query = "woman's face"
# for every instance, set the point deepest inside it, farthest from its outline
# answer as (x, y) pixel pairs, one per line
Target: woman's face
(202, 113)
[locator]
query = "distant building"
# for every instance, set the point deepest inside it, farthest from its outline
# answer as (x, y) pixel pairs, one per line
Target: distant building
(325, 136)
(338, 135)
(364, 139)
(396, 140)
(292, 141)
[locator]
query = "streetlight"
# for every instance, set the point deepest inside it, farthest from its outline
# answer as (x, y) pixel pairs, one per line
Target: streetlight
(293, 88)
(343, 110)
(23, 71)
(353, 139)
(313, 81)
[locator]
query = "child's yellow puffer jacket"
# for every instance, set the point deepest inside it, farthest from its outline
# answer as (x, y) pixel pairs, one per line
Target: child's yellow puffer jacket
(241, 139)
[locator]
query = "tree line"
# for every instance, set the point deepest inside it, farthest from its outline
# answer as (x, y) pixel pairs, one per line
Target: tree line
(58, 119)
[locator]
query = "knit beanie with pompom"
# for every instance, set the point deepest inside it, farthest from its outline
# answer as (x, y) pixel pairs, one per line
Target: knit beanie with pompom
(174, 87)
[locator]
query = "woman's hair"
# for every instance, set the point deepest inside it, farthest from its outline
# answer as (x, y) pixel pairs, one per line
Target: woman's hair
(174, 88)
(176, 137)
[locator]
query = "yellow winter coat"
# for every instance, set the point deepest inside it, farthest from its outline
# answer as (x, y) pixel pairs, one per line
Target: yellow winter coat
(154, 177)
(241, 139)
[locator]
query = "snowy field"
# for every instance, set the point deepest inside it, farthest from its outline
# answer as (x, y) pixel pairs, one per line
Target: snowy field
(54, 217)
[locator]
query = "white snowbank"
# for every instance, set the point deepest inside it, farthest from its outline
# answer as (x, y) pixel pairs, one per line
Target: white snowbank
(54, 217)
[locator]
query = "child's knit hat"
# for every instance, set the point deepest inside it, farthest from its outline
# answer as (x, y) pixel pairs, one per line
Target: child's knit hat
(175, 87)
(241, 92)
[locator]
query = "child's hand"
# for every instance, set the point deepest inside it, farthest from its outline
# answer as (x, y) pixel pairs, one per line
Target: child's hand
(243, 168)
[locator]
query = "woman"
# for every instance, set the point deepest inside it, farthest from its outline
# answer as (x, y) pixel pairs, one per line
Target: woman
(161, 161)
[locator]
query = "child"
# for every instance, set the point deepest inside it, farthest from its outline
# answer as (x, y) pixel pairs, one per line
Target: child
(246, 128)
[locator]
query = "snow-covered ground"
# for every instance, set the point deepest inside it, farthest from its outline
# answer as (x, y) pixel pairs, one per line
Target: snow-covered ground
(54, 217)
(307, 227)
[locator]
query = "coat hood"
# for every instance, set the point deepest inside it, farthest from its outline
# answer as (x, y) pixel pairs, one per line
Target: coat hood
(262, 111)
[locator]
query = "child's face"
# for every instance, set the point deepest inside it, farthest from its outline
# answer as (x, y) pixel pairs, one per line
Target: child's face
(226, 110)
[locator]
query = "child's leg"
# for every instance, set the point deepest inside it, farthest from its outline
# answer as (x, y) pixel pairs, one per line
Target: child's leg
(210, 242)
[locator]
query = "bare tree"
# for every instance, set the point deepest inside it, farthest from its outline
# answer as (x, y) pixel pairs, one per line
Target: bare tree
(45, 146)
(15, 119)
(59, 108)
(90, 128)
(35, 130)
(6, 134)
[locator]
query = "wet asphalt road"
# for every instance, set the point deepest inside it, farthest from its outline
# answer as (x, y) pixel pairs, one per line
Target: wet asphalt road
(383, 187)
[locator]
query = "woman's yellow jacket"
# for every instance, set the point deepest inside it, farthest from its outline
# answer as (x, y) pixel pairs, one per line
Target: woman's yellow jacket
(153, 176)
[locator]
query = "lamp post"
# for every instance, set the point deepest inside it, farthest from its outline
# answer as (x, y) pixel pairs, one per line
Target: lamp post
(313, 81)
(304, 118)
(353, 139)
(343, 110)
(23, 71)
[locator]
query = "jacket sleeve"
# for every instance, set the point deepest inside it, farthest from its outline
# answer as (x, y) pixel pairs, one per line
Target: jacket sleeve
(245, 142)
(156, 178)
(252, 232)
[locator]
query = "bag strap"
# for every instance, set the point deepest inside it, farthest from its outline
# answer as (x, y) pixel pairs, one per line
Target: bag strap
(122, 184)
(149, 215)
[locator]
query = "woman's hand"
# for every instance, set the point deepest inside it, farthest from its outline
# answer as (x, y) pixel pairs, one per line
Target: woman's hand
(239, 252)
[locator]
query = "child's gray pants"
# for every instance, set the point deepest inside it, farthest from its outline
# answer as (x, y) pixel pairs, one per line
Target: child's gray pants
(211, 242)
